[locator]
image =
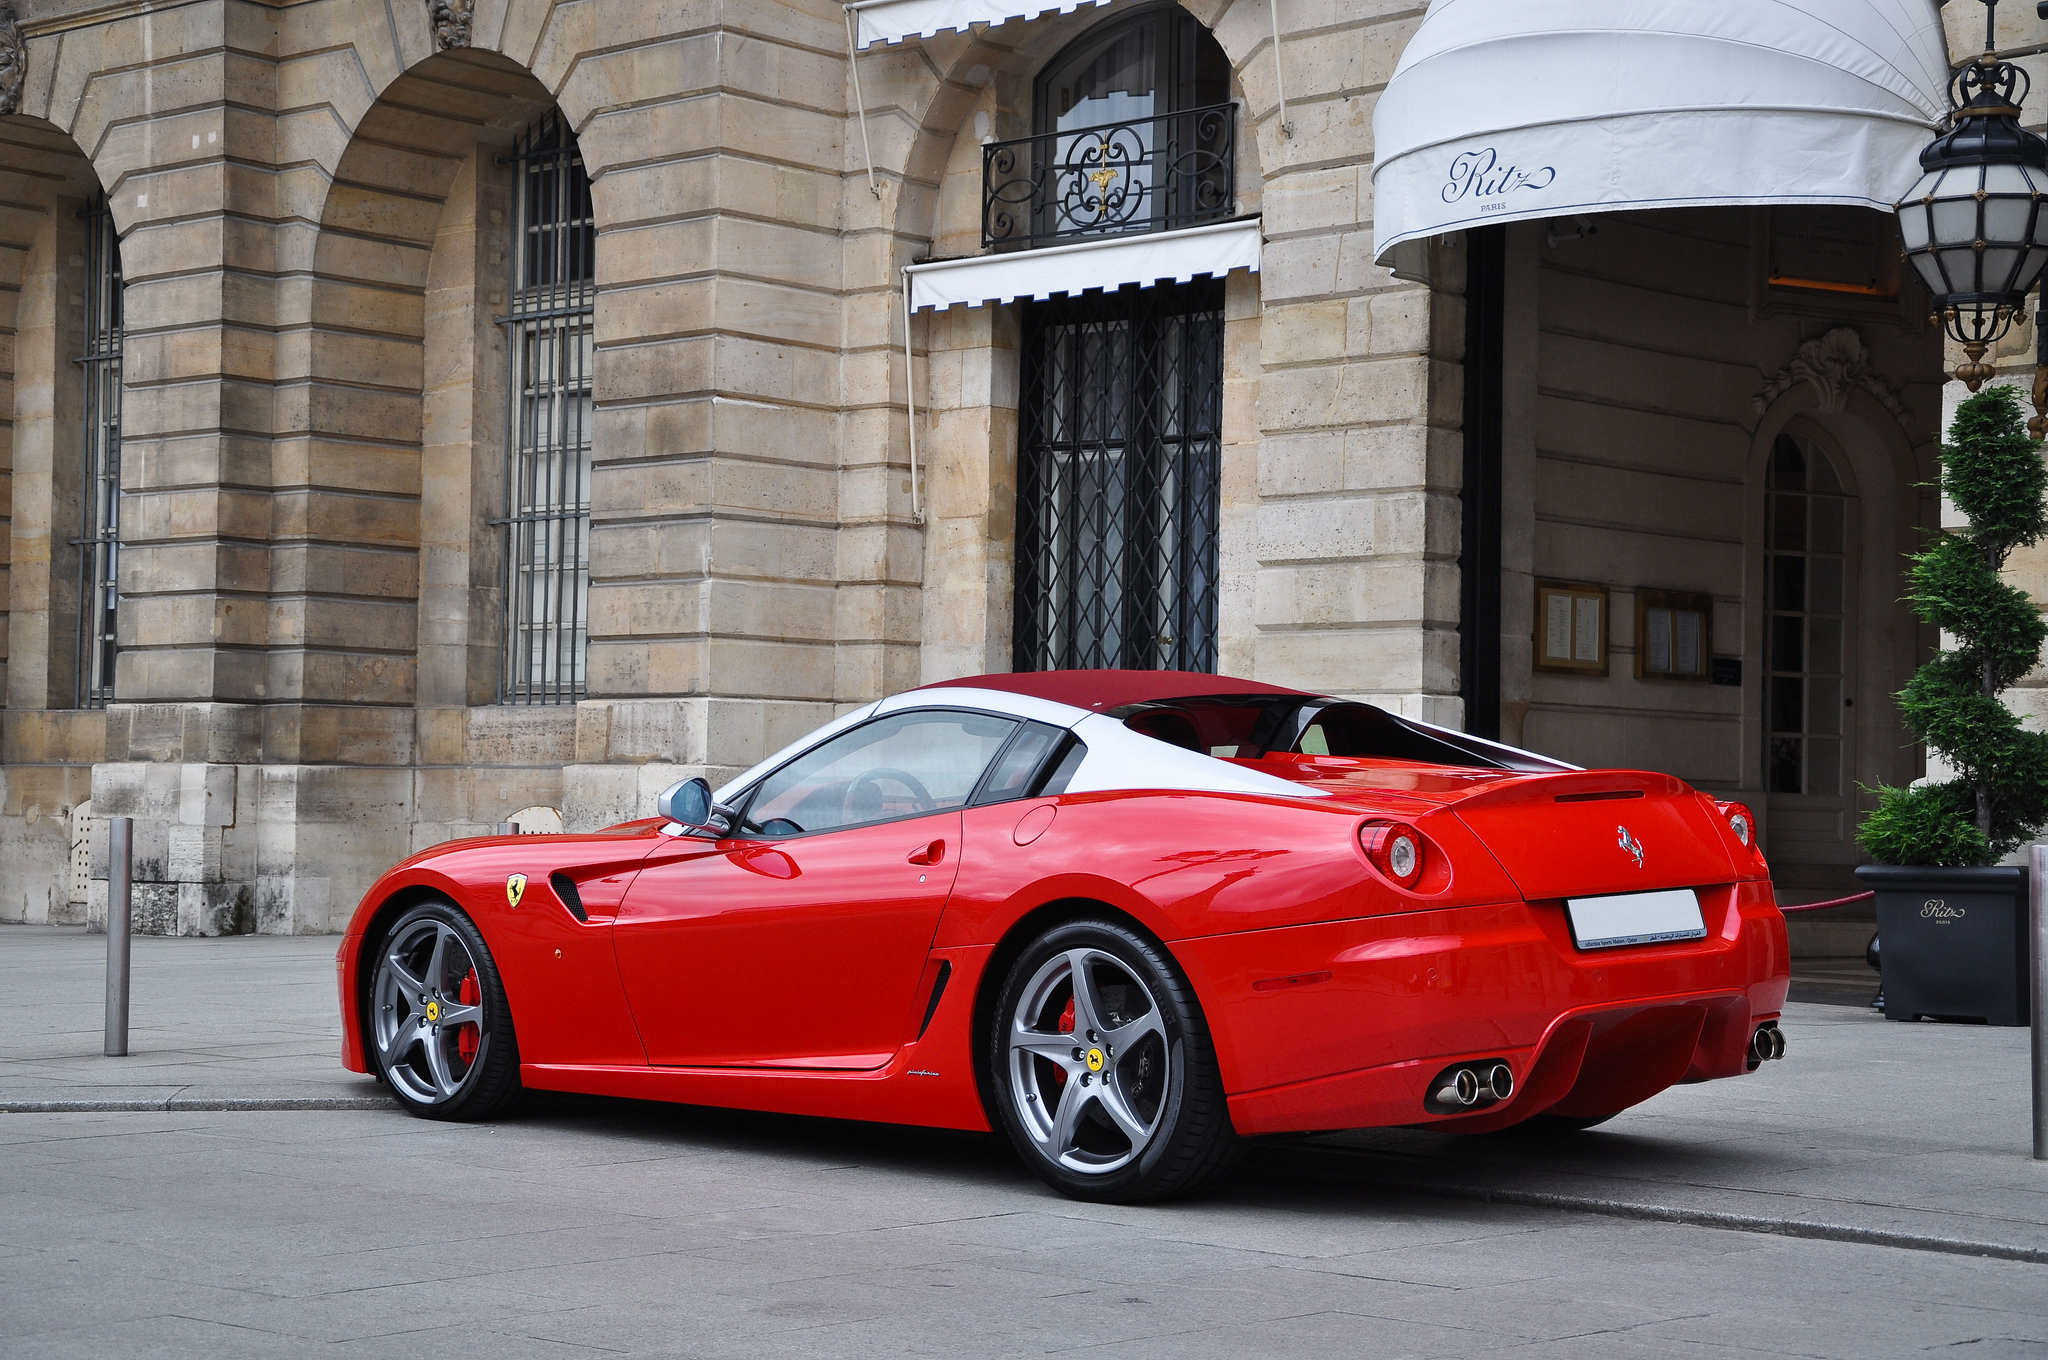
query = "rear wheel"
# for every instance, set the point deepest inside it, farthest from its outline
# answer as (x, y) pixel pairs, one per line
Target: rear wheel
(1105, 1079)
(440, 1030)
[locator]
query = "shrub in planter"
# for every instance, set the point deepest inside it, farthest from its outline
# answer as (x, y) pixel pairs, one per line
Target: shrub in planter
(1953, 925)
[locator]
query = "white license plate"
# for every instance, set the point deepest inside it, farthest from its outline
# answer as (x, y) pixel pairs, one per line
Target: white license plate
(1636, 918)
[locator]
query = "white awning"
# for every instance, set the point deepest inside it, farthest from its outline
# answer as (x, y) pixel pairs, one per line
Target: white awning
(1109, 262)
(888, 21)
(1502, 110)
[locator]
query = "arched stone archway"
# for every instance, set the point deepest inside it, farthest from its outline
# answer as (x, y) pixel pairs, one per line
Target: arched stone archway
(1887, 479)
(47, 189)
(390, 389)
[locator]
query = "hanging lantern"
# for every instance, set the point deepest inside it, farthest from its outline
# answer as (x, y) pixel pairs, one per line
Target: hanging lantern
(1974, 226)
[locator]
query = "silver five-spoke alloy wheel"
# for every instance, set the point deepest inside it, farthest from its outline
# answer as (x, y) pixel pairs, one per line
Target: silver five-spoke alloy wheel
(1088, 1062)
(426, 1011)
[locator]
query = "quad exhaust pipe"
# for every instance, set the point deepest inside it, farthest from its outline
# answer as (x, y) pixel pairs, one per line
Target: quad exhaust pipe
(1470, 1086)
(1766, 1044)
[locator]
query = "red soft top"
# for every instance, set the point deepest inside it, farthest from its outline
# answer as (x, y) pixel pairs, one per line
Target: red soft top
(1111, 689)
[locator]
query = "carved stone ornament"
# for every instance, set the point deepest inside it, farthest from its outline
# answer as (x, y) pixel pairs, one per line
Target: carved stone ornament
(1833, 366)
(451, 20)
(13, 60)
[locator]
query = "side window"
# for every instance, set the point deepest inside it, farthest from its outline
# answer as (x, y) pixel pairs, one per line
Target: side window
(1011, 777)
(899, 766)
(1062, 774)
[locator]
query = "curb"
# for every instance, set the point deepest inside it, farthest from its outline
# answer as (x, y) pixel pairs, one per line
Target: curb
(173, 1104)
(1664, 1213)
(1710, 1218)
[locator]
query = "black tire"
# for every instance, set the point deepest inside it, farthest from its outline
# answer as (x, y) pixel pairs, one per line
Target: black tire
(428, 975)
(1165, 1084)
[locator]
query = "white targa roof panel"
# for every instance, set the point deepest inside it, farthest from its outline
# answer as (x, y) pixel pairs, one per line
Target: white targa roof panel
(1110, 262)
(1502, 110)
(888, 21)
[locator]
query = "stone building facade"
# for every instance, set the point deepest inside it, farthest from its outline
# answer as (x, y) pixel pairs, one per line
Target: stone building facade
(376, 456)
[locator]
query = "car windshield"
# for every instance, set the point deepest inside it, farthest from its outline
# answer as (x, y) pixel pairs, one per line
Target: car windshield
(900, 766)
(1253, 726)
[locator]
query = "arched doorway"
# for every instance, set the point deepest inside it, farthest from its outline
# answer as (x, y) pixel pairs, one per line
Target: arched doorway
(60, 499)
(1810, 647)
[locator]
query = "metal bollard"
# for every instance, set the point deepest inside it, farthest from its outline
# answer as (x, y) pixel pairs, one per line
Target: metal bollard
(120, 881)
(508, 828)
(2038, 894)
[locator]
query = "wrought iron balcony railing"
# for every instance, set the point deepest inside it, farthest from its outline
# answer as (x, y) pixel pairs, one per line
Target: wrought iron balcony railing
(1147, 174)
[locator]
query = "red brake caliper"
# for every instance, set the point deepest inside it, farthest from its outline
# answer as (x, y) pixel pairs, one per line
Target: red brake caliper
(1059, 1074)
(467, 1038)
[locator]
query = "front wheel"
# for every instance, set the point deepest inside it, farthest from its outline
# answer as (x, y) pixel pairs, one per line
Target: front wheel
(1105, 1079)
(440, 1030)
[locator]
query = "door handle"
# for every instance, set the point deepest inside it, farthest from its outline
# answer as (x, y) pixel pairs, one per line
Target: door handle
(929, 854)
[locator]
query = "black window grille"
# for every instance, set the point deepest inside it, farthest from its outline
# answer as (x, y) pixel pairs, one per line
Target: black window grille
(1145, 174)
(100, 485)
(1120, 455)
(1133, 132)
(1806, 544)
(548, 466)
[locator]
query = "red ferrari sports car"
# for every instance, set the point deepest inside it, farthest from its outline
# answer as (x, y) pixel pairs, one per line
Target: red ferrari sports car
(1128, 917)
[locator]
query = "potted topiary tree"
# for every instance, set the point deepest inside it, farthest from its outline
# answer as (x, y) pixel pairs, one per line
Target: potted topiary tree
(1952, 920)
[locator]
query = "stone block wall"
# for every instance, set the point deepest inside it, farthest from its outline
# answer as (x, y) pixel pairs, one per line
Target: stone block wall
(314, 218)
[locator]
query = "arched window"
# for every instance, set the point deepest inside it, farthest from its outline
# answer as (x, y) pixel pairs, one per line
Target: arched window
(548, 468)
(1162, 61)
(1806, 551)
(1133, 132)
(100, 484)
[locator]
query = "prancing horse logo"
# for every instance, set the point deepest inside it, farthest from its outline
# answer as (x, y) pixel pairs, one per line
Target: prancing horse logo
(515, 888)
(1630, 844)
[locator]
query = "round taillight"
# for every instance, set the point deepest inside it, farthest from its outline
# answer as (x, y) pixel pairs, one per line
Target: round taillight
(1395, 851)
(1404, 856)
(1741, 821)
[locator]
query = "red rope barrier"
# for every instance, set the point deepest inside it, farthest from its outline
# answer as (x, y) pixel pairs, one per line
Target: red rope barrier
(1823, 906)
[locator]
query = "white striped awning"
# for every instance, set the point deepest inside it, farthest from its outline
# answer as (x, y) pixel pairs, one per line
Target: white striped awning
(1107, 262)
(889, 21)
(1503, 110)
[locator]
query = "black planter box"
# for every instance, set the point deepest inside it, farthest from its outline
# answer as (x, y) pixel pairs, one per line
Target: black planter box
(1954, 941)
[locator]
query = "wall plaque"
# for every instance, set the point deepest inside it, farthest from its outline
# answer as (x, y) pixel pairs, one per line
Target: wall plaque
(1674, 635)
(1571, 628)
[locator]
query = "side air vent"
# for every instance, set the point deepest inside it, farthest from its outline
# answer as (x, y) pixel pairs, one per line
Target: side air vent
(565, 888)
(938, 990)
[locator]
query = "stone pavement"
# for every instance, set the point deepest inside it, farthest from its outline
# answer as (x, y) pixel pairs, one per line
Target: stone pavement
(235, 1019)
(1833, 1204)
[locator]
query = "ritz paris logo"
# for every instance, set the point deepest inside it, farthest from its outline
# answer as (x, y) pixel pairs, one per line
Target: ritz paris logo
(1935, 909)
(1479, 175)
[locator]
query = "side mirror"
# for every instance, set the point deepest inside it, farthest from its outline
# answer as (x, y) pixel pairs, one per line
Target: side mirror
(689, 804)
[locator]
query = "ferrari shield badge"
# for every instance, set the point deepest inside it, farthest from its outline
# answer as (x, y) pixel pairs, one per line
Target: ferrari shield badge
(515, 888)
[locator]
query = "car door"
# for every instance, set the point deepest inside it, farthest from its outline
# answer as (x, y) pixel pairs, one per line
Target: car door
(799, 939)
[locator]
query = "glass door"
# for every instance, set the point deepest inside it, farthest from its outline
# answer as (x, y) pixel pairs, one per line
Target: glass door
(1808, 775)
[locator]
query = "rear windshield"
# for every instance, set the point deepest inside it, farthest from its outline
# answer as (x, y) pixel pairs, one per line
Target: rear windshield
(1251, 726)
